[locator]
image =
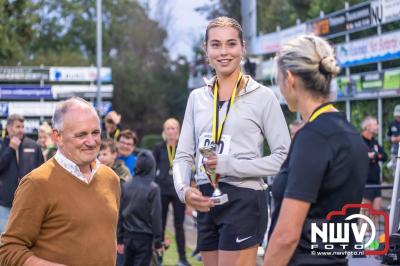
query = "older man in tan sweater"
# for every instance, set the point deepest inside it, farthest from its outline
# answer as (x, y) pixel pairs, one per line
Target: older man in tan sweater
(65, 212)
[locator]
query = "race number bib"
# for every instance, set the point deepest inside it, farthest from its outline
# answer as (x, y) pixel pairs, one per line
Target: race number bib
(205, 140)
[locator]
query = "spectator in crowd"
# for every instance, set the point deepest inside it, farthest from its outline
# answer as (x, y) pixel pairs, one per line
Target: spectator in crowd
(18, 156)
(108, 156)
(127, 151)
(376, 154)
(139, 224)
(164, 153)
(393, 136)
(66, 211)
(111, 126)
(46, 142)
(295, 126)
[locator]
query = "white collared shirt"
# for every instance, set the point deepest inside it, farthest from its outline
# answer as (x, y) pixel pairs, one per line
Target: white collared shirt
(72, 168)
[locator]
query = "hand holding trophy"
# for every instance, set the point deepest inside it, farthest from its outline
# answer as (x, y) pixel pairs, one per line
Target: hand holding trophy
(217, 197)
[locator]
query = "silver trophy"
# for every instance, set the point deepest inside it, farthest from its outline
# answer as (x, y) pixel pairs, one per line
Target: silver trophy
(217, 197)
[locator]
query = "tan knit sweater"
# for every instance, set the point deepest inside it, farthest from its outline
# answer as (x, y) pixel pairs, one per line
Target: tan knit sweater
(59, 218)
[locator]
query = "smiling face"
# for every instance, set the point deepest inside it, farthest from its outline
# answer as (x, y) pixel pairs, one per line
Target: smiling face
(79, 139)
(224, 49)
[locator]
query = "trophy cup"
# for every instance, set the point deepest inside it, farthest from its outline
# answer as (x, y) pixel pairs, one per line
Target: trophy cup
(217, 197)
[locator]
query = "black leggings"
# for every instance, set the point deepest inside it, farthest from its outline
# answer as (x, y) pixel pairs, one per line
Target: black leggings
(179, 216)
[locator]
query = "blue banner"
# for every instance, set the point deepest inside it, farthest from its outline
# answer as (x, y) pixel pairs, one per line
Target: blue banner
(12, 92)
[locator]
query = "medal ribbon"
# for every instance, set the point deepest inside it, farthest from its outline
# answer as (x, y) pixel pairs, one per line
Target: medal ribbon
(171, 155)
(216, 128)
(319, 111)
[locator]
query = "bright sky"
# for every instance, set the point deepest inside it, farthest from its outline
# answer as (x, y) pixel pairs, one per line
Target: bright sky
(185, 25)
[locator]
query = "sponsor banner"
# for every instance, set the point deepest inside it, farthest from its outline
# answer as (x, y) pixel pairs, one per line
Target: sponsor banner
(85, 91)
(81, 74)
(270, 43)
(25, 92)
(359, 18)
(385, 11)
(319, 27)
(372, 81)
(391, 80)
(369, 50)
(32, 109)
(23, 74)
(337, 23)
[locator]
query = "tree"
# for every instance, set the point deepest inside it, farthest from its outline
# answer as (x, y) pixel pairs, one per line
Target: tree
(17, 20)
(229, 8)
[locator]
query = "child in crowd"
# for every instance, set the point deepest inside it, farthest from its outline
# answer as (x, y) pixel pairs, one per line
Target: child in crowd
(140, 224)
(108, 156)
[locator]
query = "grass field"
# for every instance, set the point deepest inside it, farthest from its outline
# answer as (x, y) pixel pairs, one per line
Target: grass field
(171, 257)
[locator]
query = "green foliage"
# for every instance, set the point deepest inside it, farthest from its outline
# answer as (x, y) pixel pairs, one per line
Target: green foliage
(148, 86)
(229, 8)
(17, 21)
(149, 141)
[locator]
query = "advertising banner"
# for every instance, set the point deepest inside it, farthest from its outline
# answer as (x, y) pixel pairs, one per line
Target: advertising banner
(391, 80)
(271, 42)
(23, 74)
(369, 50)
(385, 11)
(85, 91)
(32, 109)
(14, 92)
(81, 74)
(372, 81)
(358, 18)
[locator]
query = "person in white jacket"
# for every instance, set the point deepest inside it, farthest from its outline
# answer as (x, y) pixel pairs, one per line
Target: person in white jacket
(238, 114)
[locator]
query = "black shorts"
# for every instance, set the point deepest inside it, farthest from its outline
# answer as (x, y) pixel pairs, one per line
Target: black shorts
(238, 224)
(371, 194)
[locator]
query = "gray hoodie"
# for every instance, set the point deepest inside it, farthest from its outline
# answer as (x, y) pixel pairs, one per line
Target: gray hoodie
(254, 116)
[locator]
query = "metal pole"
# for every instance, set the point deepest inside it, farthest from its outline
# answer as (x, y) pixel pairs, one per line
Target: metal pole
(348, 106)
(348, 110)
(99, 51)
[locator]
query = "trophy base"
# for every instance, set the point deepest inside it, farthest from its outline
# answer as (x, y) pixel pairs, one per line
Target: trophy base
(219, 200)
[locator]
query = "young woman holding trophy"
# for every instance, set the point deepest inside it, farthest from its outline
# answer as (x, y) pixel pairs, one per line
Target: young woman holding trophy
(224, 128)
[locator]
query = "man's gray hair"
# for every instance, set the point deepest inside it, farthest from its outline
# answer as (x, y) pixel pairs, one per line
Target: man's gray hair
(14, 117)
(367, 121)
(63, 107)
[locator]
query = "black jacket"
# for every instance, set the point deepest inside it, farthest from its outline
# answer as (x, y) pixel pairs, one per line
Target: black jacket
(140, 210)
(379, 156)
(11, 172)
(163, 178)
